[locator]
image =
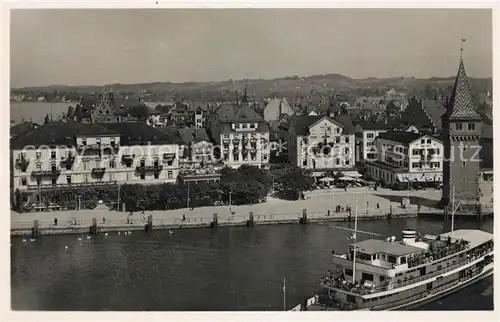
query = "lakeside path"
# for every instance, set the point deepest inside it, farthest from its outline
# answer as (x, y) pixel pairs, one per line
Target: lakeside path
(317, 205)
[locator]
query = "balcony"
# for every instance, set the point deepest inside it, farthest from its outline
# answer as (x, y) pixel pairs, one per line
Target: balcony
(22, 163)
(149, 168)
(98, 172)
(68, 162)
(128, 159)
(46, 173)
(236, 141)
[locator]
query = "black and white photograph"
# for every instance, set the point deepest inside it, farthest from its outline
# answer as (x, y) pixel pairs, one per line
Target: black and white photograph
(251, 159)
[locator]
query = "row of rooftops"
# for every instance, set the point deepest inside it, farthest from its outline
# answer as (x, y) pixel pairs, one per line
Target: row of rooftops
(130, 134)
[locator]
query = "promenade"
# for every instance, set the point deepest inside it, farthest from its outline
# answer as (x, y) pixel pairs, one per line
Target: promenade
(317, 205)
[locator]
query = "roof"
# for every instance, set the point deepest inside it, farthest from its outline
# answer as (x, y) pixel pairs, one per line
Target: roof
(461, 106)
(346, 121)
(272, 109)
(21, 128)
(301, 123)
(188, 134)
(434, 110)
(369, 125)
(475, 236)
(374, 246)
(400, 136)
(237, 113)
(137, 133)
(60, 134)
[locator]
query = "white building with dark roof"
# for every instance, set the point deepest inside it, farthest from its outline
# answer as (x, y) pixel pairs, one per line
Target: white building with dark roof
(76, 155)
(407, 159)
(320, 143)
(240, 134)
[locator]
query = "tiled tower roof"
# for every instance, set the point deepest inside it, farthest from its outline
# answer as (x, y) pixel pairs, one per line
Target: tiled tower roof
(460, 105)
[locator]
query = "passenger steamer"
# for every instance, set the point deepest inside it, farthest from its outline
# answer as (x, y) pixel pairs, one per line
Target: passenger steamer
(400, 274)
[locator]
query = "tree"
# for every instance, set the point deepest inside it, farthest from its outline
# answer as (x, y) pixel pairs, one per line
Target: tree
(290, 181)
(71, 112)
(140, 111)
(392, 110)
(78, 113)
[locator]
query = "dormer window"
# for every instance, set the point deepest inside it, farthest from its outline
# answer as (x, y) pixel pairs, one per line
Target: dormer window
(458, 126)
(84, 141)
(471, 126)
(244, 125)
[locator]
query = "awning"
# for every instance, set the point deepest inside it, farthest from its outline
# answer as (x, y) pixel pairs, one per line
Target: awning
(353, 174)
(419, 177)
(326, 179)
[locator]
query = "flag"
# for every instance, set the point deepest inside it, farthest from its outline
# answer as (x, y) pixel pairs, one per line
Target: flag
(464, 40)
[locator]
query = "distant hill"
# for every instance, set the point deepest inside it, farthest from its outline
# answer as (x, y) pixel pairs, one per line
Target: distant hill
(261, 88)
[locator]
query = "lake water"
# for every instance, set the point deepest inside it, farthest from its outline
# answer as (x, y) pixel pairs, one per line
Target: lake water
(36, 111)
(235, 268)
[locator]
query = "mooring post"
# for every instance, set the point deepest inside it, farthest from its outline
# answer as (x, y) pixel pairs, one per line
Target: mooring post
(303, 220)
(93, 228)
(250, 221)
(35, 230)
(215, 221)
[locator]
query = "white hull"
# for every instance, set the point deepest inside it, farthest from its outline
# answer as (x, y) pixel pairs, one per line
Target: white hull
(487, 271)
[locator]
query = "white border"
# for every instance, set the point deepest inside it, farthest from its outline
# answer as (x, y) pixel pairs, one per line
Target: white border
(220, 316)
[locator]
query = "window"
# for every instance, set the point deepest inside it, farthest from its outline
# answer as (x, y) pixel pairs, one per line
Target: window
(112, 164)
(226, 136)
(113, 142)
(84, 141)
(143, 176)
(391, 259)
(304, 162)
(471, 126)
(428, 141)
(464, 179)
(415, 165)
(38, 155)
(367, 277)
(244, 125)
(422, 141)
(252, 125)
(337, 140)
(169, 174)
(402, 260)
(347, 161)
(369, 135)
(24, 182)
(52, 154)
(346, 150)
(337, 161)
(53, 167)
(346, 139)
(464, 164)
(85, 165)
(337, 130)
(416, 152)
(458, 126)
(382, 278)
(156, 175)
(68, 179)
(54, 180)
(143, 162)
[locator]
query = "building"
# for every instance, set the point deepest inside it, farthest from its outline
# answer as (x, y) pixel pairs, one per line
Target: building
(425, 115)
(240, 134)
(366, 132)
(407, 159)
(74, 155)
(320, 143)
(276, 109)
(462, 132)
(200, 116)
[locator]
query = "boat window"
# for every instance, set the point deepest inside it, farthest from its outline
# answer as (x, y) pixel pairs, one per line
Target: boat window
(391, 259)
(382, 278)
(402, 260)
(367, 277)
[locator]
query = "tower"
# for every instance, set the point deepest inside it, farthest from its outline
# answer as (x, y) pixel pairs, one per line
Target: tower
(461, 139)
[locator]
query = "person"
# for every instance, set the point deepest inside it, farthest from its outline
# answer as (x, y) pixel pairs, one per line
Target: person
(378, 205)
(183, 217)
(103, 220)
(55, 221)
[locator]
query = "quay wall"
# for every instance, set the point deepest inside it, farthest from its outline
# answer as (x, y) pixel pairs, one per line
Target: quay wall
(25, 229)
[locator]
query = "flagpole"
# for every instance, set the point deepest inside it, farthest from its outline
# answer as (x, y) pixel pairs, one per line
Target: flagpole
(355, 238)
(284, 293)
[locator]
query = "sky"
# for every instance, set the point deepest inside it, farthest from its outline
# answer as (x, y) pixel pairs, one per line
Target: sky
(104, 46)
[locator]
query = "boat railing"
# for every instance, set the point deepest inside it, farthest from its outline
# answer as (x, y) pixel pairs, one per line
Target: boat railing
(336, 281)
